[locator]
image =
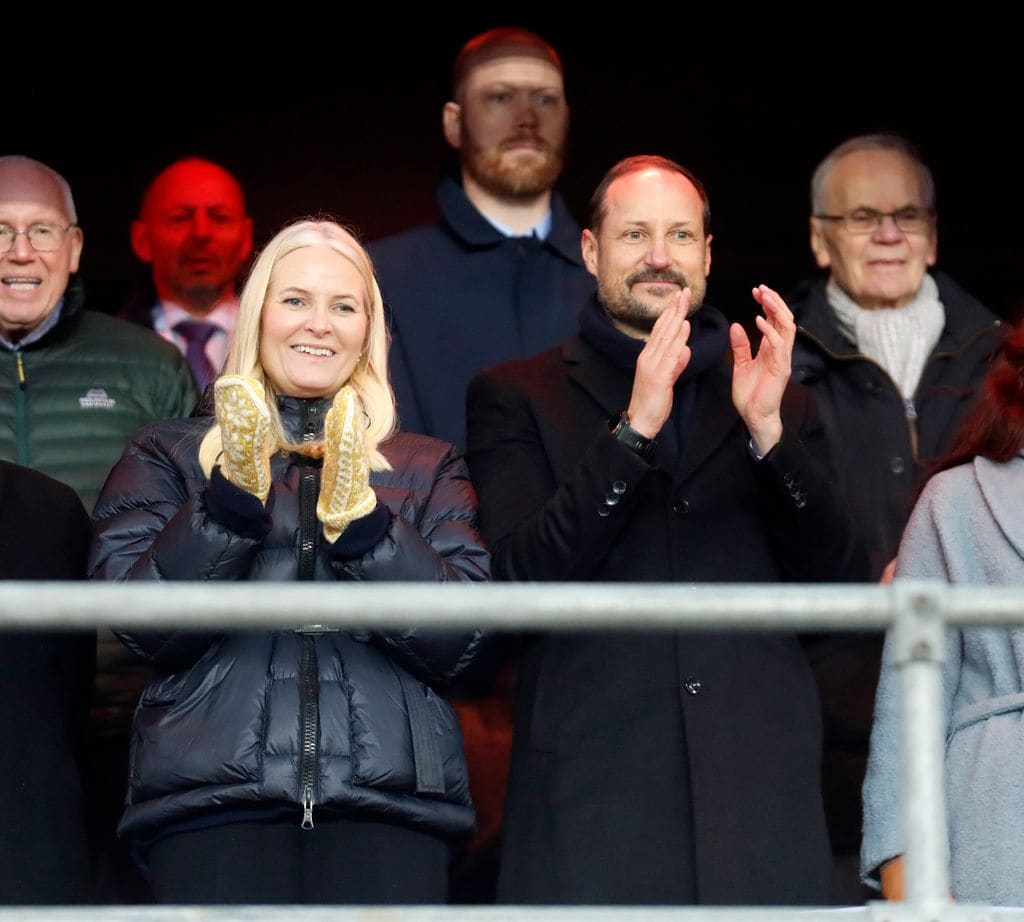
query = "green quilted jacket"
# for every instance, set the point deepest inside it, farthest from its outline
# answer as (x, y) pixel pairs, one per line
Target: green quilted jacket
(70, 402)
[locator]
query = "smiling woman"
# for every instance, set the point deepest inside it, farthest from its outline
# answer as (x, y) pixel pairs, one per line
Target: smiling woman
(276, 767)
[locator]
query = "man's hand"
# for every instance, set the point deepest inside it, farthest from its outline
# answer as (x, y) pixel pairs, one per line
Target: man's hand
(658, 367)
(759, 383)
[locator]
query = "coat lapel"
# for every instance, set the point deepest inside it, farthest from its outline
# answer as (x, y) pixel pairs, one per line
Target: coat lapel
(610, 387)
(606, 384)
(714, 419)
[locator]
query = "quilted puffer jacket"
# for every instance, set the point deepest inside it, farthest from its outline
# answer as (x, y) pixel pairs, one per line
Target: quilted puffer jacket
(290, 720)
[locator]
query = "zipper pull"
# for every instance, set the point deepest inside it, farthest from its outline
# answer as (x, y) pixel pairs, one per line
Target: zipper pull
(910, 409)
(21, 371)
(307, 807)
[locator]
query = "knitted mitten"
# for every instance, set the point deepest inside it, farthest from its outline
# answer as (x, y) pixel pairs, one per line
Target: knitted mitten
(245, 429)
(345, 491)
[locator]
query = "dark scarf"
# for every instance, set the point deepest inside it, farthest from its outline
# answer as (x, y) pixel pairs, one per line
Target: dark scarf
(709, 339)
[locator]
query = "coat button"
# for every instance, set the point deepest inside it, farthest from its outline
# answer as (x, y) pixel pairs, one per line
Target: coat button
(787, 479)
(897, 465)
(604, 511)
(681, 507)
(611, 499)
(619, 487)
(692, 685)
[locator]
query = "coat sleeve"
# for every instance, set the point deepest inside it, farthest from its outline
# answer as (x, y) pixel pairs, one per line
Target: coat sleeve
(537, 528)
(811, 527)
(921, 556)
(147, 525)
(436, 542)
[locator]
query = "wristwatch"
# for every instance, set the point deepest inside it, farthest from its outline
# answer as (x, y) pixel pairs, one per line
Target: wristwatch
(618, 425)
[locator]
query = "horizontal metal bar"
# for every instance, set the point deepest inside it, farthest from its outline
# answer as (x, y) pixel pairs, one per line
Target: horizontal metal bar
(874, 912)
(504, 606)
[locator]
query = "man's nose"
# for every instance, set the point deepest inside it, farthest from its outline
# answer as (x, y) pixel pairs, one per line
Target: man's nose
(525, 110)
(21, 250)
(657, 254)
(887, 229)
(201, 225)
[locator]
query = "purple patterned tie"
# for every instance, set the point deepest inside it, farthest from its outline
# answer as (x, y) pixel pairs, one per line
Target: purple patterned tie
(196, 334)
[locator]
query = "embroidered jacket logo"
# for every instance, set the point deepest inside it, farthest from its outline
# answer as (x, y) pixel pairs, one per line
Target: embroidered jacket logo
(96, 398)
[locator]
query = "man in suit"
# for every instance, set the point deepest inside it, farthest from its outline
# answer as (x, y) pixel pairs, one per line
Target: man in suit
(660, 768)
(193, 230)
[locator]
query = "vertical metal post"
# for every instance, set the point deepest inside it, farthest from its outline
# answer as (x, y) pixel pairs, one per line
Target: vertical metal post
(919, 652)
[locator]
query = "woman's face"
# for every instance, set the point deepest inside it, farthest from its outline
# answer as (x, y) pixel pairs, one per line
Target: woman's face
(314, 323)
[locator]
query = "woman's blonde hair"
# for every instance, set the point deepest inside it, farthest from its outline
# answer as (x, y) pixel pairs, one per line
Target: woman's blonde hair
(370, 377)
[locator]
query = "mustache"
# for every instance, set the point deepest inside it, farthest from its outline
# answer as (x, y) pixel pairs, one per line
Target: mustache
(529, 136)
(658, 275)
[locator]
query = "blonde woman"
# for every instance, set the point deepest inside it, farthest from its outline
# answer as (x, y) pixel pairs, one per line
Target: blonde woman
(296, 766)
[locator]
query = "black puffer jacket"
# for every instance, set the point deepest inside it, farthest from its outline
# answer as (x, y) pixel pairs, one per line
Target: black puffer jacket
(223, 730)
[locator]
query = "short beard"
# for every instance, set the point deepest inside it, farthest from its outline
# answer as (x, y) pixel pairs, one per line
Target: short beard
(511, 180)
(641, 315)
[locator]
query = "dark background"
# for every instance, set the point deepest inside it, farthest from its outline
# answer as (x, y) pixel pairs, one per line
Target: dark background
(337, 109)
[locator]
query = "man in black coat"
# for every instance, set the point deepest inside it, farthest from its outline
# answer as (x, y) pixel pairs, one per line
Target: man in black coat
(894, 354)
(660, 768)
(45, 683)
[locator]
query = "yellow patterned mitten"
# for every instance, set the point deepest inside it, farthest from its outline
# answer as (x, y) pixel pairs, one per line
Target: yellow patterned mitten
(245, 432)
(345, 491)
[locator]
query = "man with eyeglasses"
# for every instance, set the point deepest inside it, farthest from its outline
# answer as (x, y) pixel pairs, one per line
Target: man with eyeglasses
(75, 385)
(894, 354)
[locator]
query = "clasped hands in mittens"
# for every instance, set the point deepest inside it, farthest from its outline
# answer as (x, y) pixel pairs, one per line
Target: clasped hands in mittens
(244, 421)
(345, 491)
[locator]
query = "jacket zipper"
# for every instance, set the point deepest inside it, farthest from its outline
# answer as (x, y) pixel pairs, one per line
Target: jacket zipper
(21, 411)
(909, 403)
(309, 696)
(309, 686)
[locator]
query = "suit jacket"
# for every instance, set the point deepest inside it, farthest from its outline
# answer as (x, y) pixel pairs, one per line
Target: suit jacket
(653, 768)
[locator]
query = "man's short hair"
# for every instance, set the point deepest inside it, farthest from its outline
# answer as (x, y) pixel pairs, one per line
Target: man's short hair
(500, 43)
(598, 212)
(62, 183)
(884, 141)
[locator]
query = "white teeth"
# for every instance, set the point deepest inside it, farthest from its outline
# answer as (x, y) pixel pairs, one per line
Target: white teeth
(14, 281)
(311, 350)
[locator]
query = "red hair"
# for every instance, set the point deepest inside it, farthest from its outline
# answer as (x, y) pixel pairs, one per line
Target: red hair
(995, 428)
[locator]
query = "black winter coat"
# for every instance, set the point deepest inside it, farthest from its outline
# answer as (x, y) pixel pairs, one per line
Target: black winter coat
(886, 443)
(223, 729)
(45, 681)
(656, 767)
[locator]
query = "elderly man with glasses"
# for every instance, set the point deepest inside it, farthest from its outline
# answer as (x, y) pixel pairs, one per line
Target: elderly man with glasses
(76, 385)
(894, 354)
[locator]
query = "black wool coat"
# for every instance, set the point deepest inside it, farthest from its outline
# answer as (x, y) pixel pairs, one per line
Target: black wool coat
(656, 768)
(45, 687)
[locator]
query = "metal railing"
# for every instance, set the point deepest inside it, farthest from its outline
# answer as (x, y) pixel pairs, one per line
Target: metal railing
(917, 610)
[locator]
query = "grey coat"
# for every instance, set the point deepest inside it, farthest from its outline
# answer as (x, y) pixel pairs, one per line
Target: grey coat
(968, 527)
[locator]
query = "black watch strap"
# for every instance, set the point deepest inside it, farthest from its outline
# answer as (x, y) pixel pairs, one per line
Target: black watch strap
(618, 426)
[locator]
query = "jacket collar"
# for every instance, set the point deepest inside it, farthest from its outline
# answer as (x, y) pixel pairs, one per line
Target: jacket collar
(966, 316)
(475, 231)
(302, 417)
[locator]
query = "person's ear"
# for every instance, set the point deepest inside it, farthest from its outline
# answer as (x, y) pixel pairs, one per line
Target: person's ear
(588, 246)
(819, 246)
(451, 123)
(141, 244)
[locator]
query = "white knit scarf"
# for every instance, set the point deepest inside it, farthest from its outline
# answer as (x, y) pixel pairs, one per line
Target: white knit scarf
(900, 339)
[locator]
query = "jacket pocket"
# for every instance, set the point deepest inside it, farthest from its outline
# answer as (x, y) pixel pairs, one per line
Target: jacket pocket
(198, 728)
